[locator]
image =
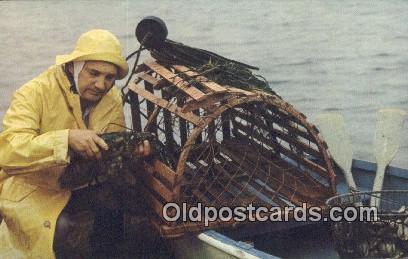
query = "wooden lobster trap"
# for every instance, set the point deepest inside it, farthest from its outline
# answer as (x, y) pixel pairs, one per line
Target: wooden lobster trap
(225, 147)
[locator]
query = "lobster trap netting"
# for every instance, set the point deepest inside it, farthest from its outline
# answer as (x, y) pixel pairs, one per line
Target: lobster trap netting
(376, 232)
(224, 146)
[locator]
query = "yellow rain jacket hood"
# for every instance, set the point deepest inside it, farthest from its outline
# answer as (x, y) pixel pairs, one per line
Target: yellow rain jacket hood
(34, 152)
(99, 45)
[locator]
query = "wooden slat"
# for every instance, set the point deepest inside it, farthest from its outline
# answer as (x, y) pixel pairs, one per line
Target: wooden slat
(182, 123)
(135, 111)
(212, 86)
(168, 126)
(176, 80)
(272, 143)
(152, 111)
(199, 138)
(238, 90)
(307, 141)
(166, 105)
(141, 68)
(250, 143)
(163, 170)
(151, 124)
(278, 133)
(158, 187)
(281, 111)
(211, 131)
(284, 121)
(295, 141)
(287, 116)
(209, 103)
(148, 78)
(305, 162)
(226, 127)
(287, 122)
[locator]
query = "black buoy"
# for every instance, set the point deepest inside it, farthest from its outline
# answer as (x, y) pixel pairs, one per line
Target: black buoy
(151, 32)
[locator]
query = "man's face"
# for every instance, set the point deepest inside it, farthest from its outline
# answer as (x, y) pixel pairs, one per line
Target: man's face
(96, 79)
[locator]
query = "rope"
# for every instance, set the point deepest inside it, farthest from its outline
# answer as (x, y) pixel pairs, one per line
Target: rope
(219, 69)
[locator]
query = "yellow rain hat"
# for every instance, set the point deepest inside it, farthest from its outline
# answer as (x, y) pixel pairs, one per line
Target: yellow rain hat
(99, 45)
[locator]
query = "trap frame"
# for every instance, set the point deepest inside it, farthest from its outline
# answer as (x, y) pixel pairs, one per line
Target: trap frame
(226, 146)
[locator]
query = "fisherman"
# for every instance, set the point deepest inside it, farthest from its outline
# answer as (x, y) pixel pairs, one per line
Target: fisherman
(50, 117)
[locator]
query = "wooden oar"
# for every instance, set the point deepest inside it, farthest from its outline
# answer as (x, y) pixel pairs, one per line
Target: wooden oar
(334, 133)
(386, 144)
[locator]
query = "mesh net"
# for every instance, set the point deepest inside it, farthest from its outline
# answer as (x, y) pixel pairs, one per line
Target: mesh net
(370, 235)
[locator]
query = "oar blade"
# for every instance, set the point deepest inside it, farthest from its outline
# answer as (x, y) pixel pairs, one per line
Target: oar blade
(386, 144)
(332, 128)
(388, 134)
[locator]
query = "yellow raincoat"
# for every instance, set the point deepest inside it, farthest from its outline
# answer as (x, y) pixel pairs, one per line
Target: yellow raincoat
(34, 152)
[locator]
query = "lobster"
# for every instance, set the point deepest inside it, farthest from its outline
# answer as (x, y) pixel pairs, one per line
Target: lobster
(120, 156)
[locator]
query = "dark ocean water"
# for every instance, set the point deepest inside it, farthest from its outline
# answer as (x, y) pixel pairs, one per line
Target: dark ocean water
(346, 56)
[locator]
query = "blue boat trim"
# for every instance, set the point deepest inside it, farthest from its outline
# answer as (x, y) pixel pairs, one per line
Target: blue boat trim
(372, 167)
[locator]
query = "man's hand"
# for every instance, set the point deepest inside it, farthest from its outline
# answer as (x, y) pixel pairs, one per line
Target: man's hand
(143, 149)
(86, 143)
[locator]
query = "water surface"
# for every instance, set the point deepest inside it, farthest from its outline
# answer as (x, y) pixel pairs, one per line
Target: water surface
(345, 56)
